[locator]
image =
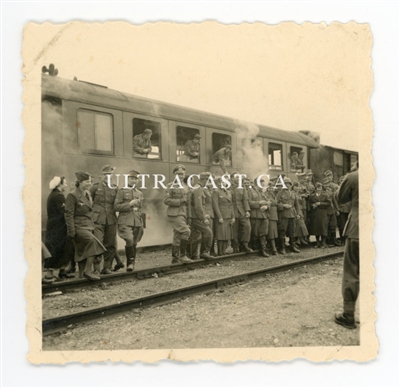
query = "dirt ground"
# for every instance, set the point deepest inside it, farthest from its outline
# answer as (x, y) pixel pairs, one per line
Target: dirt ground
(293, 308)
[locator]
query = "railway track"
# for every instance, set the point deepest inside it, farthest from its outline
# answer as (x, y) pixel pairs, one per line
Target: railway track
(57, 324)
(144, 273)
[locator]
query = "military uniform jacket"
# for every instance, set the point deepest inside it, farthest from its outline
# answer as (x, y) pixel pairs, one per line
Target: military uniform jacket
(78, 211)
(140, 144)
(289, 198)
(222, 201)
(348, 191)
(240, 201)
(255, 196)
(208, 203)
(273, 209)
(129, 215)
(198, 199)
(103, 203)
(177, 199)
(191, 148)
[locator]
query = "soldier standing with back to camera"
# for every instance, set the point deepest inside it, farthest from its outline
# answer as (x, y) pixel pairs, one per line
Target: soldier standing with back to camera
(128, 202)
(104, 216)
(176, 198)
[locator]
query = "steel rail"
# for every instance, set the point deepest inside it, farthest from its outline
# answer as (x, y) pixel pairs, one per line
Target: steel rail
(56, 324)
(137, 274)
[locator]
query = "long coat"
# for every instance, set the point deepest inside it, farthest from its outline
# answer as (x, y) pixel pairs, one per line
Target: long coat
(56, 230)
(223, 209)
(319, 215)
(79, 219)
(348, 191)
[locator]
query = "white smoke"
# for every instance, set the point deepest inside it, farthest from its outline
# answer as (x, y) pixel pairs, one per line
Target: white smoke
(254, 161)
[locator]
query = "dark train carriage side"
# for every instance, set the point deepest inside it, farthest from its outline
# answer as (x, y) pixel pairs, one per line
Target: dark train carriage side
(85, 126)
(337, 160)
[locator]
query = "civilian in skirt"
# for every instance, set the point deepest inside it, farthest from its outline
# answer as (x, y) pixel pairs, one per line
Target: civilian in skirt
(224, 217)
(300, 228)
(320, 203)
(59, 245)
(80, 226)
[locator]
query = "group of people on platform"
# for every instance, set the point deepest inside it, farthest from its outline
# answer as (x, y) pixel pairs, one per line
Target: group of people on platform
(206, 219)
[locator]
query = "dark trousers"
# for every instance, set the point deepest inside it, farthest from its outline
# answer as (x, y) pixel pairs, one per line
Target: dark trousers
(286, 228)
(106, 234)
(206, 234)
(342, 219)
(351, 275)
(241, 231)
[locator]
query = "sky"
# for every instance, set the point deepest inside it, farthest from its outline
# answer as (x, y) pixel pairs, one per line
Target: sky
(293, 77)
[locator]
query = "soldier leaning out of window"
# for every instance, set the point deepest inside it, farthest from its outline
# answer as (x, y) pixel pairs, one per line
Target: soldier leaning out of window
(192, 147)
(142, 142)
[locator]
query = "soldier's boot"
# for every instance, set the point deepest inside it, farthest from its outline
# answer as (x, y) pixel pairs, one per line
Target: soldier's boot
(282, 242)
(323, 242)
(119, 264)
(88, 272)
(246, 247)
(221, 250)
(293, 246)
(336, 243)
(225, 246)
(175, 254)
(235, 246)
(107, 265)
(263, 246)
(194, 251)
(182, 257)
(130, 258)
(73, 267)
(273, 246)
(212, 250)
(81, 267)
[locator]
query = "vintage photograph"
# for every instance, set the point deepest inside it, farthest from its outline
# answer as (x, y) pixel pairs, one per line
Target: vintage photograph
(199, 191)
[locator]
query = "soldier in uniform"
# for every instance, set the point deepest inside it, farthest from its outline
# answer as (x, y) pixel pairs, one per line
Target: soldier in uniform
(258, 217)
(348, 191)
(241, 209)
(176, 199)
(200, 220)
(128, 202)
(344, 210)
(142, 143)
(289, 208)
(273, 218)
(222, 156)
(192, 147)
(320, 203)
(104, 216)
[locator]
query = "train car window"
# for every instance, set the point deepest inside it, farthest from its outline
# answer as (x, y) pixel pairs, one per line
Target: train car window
(219, 142)
(95, 132)
(146, 142)
(275, 156)
(338, 158)
(296, 159)
(353, 159)
(187, 144)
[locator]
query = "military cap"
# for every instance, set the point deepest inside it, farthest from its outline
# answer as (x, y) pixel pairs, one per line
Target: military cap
(234, 173)
(134, 173)
(205, 175)
(325, 181)
(287, 180)
(295, 184)
(328, 173)
(107, 169)
(301, 174)
(309, 172)
(318, 184)
(197, 136)
(179, 168)
(82, 176)
(147, 131)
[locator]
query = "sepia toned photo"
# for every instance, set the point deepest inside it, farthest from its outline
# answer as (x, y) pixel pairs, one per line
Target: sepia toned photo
(198, 192)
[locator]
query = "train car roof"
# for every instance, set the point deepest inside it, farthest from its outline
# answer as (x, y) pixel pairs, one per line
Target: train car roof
(101, 96)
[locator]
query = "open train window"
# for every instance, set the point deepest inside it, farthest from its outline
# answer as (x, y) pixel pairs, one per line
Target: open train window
(220, 141)
(275, 156)
(95, 132)
(146, 142)
(296, 159)
(187, 144)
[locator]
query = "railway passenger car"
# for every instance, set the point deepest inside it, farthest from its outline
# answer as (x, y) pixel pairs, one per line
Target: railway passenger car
(85, 126)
